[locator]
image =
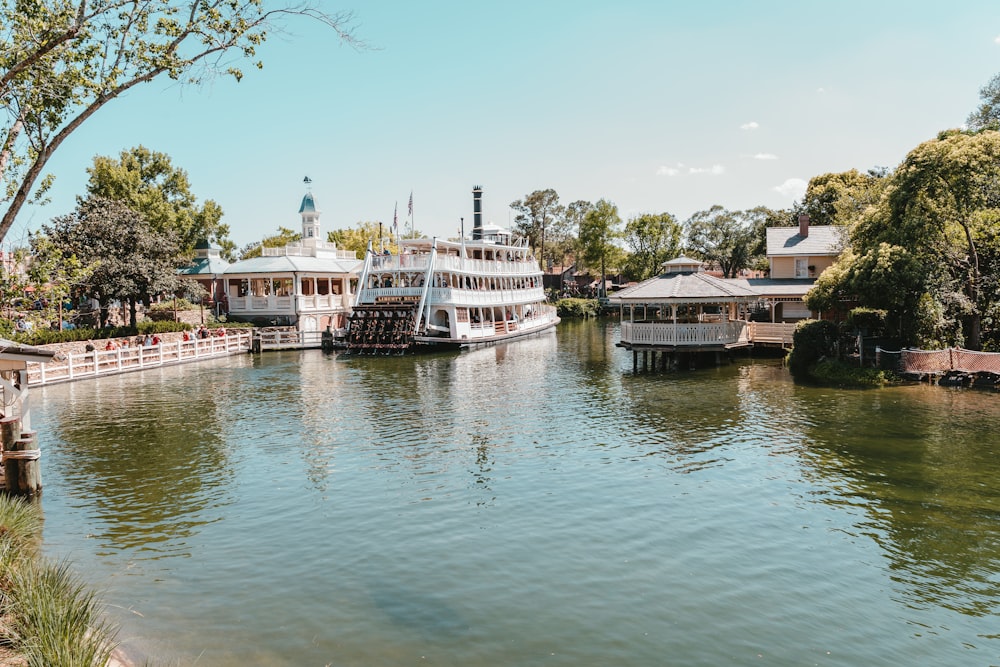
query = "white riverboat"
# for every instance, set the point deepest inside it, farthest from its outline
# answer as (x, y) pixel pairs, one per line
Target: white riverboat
(436, 293)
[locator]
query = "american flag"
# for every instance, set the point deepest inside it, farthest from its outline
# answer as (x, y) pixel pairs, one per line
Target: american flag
(395, 219)
(411, 203)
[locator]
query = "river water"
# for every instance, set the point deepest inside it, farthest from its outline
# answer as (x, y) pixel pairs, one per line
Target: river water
(535, 503)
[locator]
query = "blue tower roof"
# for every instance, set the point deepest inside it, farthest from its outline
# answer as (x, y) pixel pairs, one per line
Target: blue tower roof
(308, 204)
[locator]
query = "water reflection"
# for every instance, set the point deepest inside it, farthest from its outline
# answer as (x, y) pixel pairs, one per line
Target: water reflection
(921, 464)
(145, 457)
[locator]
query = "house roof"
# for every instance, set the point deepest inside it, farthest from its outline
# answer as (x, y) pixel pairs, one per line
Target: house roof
(821, 240)
(781, 287)
(294, 264)
(687, 288)
(205, 266)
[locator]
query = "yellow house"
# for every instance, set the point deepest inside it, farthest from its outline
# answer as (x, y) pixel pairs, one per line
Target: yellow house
(797, 256)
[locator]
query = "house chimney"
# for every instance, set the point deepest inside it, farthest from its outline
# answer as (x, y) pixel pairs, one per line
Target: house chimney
(477, 212)
(804, 225)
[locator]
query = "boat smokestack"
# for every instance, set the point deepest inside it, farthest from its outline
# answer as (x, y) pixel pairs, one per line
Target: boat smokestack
(477, 212)
(804, 225)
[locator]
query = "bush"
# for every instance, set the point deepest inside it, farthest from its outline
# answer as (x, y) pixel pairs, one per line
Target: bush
(162, 326)
(572, 307)
(814, 340)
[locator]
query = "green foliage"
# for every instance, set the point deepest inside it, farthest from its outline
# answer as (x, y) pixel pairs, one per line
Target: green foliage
(813, 340)
(722, 237)
(653, 240)
(578, 308)
(539, 218)
(358, 237)
(835, 373)
(127, 259)
(598, 231)
(987, 114)
(56, 619)
(63, 61)
(50, 618)
(279, 240)
(840, 198)
(870, 320)
(147, 182)
(161, 326)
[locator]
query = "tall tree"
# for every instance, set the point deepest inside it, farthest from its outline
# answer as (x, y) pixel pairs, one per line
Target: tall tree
(653, 239)
(943, 206)
(538, 214)
(63, 60)
(987, 114)
(722, 237)
(128, 260)
(600, 227)
(147, 182)
(839, 198)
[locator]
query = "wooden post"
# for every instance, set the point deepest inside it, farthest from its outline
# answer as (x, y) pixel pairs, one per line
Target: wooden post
(22, 467)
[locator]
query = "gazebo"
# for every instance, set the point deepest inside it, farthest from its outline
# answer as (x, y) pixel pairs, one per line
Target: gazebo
(684, 310)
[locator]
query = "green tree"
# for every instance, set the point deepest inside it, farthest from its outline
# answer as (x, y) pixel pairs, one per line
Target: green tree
(356, 238)
(721, 237)
(537, 215)
(652, 238)
(63, 60)
(147, 182)
(279, 240)
(942, 206)
(600, 227)
(839, 198)
(129, 261)
(987, 114)
(56, 275)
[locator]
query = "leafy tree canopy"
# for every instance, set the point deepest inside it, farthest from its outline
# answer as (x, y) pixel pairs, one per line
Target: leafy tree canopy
(538, 218)
(146, 182)
(357, 238)
(63, 60)
(722, 237)
(128, 260)
(652, 238)
(600, 227)
(839, 198)
(987, 114)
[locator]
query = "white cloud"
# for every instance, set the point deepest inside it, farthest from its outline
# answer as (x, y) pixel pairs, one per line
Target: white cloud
(793, 188)
(997, 39)
(714, 170)
(669, 171)
(765, 156)
(752, 125)
(821, 90)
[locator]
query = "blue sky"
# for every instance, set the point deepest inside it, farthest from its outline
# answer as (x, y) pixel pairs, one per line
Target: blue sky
(655, 106)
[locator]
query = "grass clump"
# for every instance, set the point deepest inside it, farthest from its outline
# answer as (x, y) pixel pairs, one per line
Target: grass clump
(48, 617)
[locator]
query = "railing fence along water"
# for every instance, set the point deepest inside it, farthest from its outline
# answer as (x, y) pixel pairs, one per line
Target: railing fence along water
(286, 339)
(938, 361)
(127, 359)
(735, 331)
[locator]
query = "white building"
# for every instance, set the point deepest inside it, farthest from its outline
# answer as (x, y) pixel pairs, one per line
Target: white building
(308, 284)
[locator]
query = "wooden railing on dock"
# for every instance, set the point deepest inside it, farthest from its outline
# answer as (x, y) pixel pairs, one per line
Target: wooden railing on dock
(289, 339)
(127, 359)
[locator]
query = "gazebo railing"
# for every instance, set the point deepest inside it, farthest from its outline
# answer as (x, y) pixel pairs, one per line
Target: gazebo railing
(663, 333)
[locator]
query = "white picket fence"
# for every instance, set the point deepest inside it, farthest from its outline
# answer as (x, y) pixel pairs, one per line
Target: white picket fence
(128, 359)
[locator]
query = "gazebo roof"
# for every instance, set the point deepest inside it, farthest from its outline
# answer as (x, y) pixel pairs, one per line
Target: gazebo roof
(13, 351)
(678, 288)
